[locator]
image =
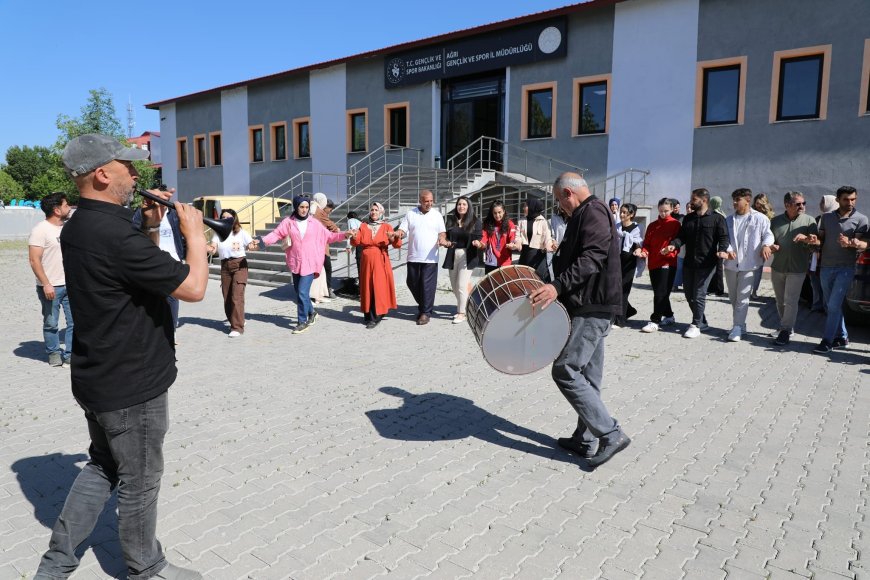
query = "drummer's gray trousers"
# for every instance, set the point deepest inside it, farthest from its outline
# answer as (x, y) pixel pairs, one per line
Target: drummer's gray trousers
(578, 372)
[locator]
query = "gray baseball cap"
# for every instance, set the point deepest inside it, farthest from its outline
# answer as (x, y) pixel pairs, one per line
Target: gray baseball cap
(88, 152)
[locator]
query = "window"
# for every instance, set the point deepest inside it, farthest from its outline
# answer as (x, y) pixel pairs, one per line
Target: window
(591, 105)
(396, 127)
(216, 151)
(301, 139)
(199, 155)
(182, 153)
(357, 136)
(799, 84)
(864, 103)
(256, 143)
(279, 141)
(539, 111)
(720, 91)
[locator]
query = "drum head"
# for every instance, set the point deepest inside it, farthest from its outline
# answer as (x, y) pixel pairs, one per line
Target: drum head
(517, 343)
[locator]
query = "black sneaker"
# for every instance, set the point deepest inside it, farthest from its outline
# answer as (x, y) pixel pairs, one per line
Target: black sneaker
(823, 347)
(301, 328)
(840, 343)
(783, 338)
(313, 318)
(607, 449)
(584, 450)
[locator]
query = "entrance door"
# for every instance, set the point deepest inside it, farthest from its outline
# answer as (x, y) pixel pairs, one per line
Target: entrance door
(471, 108)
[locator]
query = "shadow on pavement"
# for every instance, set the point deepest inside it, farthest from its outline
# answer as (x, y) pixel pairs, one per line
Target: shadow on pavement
(442, 417)
(45, 481)
(32, 349)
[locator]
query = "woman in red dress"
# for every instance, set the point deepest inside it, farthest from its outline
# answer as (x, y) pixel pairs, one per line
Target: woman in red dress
(377, 290)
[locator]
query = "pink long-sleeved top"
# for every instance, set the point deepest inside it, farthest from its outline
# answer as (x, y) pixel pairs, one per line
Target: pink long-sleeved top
(305, 254)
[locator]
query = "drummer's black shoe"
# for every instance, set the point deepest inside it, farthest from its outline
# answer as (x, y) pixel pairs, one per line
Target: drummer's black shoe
(584, 450)
(607, 449)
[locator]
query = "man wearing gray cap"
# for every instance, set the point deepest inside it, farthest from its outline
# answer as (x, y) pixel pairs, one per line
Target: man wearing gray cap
(123, 357)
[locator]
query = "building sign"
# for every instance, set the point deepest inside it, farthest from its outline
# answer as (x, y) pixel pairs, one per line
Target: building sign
(512, 46)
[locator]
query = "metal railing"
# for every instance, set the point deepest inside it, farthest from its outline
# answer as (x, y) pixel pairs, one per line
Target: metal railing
(492, 154)
(380, 161)
(629, 186)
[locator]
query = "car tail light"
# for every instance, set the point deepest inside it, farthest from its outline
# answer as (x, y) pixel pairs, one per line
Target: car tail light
(864, 259)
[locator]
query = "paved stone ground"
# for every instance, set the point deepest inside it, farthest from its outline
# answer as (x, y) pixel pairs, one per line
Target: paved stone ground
(349, 453)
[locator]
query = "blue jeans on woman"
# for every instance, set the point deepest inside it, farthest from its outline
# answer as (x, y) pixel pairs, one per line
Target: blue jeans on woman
(304, 307)
(51, 321)
(836, 282)
(126, 453)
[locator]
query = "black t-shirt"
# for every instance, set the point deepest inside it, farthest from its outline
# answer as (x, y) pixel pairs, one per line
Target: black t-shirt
(117, 280)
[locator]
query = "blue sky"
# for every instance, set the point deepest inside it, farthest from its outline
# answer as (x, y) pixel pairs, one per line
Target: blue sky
(54, 51)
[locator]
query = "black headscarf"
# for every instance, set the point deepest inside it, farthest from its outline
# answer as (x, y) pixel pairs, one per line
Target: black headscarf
(296, 201)
(536, 208)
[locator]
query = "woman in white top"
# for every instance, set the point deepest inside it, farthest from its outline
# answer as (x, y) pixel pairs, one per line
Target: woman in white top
(631, 239)
(234, 271)
(533, 233)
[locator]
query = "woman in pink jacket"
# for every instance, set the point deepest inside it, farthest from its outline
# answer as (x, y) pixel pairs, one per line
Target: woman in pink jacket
(308, 239)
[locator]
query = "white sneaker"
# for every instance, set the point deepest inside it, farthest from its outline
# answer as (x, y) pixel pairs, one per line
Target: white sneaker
(615, 326)
(324, 300)
(667, 321)
(459, 319)
(692, 332)
(234, 334)
(650, 327)
(735, 334)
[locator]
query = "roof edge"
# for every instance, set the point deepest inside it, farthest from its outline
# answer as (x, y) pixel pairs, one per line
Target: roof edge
(462, 33)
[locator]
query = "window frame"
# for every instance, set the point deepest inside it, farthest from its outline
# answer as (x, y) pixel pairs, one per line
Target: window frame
(251, 144)
(273, 144)
(388, 109)
(524, 121)
(297, 144)
(200, 161)
(350, 114)
(212, 149)
(182, 154)
(824, 81)
(864, 101)
(578, 83)
(701, 89)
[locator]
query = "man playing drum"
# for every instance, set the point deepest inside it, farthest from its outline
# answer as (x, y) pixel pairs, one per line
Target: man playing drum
(588, 282)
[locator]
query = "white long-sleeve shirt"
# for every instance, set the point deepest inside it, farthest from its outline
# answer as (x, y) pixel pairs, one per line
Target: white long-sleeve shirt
(746, 237)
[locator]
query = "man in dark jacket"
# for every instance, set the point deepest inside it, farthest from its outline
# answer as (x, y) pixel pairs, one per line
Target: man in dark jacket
(705, 236)
(588, 282)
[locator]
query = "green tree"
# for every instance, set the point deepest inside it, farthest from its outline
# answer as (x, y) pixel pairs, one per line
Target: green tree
(97, 116)
(55, 179)
(9, 188)
(25, 164)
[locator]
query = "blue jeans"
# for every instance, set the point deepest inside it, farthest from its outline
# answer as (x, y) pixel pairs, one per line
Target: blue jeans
(304, 307)
(678, 277)
(836, 282)
(126, 452)
(51, 321)
(579, 371)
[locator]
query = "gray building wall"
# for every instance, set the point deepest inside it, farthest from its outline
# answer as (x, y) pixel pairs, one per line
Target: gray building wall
(275, 102)
(365, 89)
(198, 117)
(815, 156)
(590, 52)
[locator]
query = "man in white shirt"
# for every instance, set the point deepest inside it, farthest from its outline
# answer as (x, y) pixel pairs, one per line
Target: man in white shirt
(749, 246)
(425, 230)
(46, 262)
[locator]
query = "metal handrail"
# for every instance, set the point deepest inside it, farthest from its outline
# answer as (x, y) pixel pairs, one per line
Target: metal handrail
(625, 185)
(493, 154)
(378, 162)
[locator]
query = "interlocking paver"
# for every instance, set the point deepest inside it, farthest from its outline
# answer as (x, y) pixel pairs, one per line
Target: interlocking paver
(348, 453)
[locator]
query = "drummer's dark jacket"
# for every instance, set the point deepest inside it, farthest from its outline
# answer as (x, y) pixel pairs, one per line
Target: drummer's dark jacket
(586, 266)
